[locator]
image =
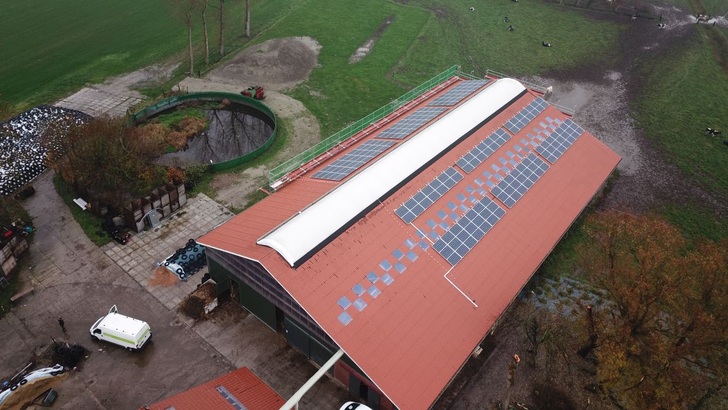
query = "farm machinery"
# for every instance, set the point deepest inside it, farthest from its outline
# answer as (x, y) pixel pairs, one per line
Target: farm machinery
(254, 91)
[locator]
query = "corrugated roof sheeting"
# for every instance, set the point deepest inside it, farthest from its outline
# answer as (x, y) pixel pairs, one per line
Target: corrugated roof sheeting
(420, 328)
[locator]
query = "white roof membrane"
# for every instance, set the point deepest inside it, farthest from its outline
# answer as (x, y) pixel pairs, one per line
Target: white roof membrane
(299, 235)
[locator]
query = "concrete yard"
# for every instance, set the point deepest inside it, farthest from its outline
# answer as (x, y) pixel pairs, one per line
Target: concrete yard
(74, 279)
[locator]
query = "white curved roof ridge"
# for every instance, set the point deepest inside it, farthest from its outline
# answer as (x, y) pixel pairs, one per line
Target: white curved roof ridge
(299, 235)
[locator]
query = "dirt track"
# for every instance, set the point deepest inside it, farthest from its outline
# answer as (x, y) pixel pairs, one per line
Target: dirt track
(602, 96)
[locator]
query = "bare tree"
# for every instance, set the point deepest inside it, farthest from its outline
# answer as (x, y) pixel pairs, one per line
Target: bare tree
(247, 18)
(222, 28)
(512, 366)
(204, 31)
(186, 10)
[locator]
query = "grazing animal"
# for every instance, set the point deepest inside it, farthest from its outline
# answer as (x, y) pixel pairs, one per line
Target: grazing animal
(472, 9)
(545, 44)
(713, 132)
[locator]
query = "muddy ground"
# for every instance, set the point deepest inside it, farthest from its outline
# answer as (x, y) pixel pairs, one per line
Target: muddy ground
(602, 96)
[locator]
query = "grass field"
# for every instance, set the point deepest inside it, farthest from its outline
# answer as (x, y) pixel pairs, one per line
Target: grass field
(56, 47)
(685, 93)
(425, 38)
(53, 47)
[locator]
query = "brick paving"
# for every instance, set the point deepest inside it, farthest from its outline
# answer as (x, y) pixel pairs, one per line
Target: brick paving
(199, 216)
(107, 101)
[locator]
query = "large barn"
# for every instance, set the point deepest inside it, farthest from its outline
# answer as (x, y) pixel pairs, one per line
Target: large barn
(404, 244)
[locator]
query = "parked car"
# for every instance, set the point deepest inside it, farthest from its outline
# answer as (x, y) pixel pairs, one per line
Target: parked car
(121, 330)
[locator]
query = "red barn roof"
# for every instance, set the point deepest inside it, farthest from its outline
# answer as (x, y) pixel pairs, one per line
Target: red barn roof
(240, 386)
(425, 253)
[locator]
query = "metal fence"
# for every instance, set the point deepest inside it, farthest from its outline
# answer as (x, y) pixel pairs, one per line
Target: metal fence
(312, 153)
(537, 87)
(168, 103)
(340, 140)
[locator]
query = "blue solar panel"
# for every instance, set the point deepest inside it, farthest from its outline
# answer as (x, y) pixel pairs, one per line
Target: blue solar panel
(342, 167)
(520, 180)
(526, 115)
(469, 230)
(458, 93)
(483, 150)
(345, 318)
(559, 141)
(406, 126)
(426, 196)
(344, 302)
(232, 400)
(360, 304)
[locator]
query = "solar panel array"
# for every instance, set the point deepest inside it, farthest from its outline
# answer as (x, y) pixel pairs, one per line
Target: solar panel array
(468, 230)
(342, 167)
(458, 93)
(483, 150)
(520, 180)
(426, 196)
(559, 141)
(526, 115)
(410, 123)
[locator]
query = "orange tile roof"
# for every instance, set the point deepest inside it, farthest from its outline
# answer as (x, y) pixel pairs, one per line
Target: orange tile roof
(412, 338)
(242, 384)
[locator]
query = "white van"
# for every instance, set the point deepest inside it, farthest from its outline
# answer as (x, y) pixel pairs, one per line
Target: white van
(121, 330)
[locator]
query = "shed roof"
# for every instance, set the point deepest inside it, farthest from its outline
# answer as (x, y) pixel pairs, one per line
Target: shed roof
(240, 386)
(408, 293)
(322, 219)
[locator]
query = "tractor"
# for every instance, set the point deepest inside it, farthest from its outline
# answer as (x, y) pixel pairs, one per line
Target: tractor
(254, 91)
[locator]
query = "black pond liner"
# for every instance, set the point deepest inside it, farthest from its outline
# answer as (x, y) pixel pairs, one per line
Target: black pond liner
(231, 133)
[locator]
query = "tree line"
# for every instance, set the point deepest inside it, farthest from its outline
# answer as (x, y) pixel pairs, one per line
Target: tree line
(189, 11)
(656, 335)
